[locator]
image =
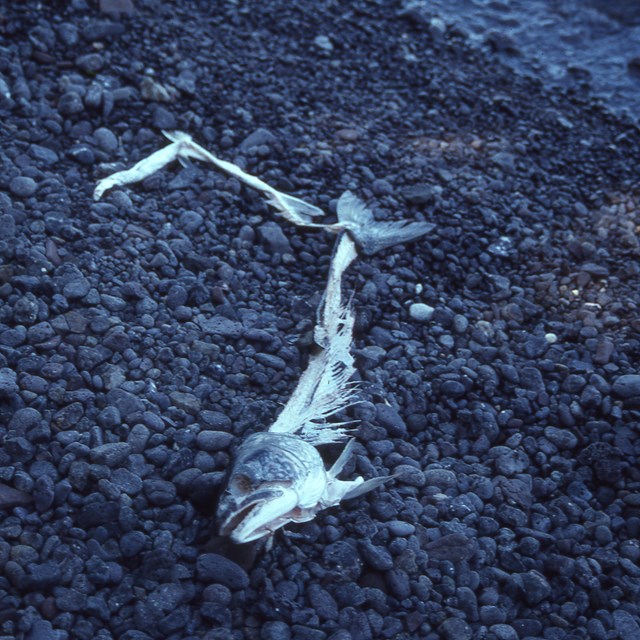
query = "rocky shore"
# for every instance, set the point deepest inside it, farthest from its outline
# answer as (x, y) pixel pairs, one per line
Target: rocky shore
(142, 337)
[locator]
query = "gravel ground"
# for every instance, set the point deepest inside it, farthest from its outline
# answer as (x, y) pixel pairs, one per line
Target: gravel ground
(142, 337)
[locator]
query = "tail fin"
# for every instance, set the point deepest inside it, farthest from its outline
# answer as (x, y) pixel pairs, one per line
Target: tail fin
(371, 235)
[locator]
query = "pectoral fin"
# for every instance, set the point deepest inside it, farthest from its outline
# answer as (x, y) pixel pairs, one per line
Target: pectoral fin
(366, 486)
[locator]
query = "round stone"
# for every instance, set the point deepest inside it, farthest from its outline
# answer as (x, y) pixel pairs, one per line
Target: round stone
(421, 312)
(22, 186)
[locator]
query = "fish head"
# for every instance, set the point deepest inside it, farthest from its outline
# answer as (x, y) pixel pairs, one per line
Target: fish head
(275, 479)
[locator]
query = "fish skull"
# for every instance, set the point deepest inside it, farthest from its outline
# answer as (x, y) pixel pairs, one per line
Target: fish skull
(278, 478)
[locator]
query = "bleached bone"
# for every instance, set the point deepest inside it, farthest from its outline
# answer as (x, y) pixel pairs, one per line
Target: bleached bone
(353, 216)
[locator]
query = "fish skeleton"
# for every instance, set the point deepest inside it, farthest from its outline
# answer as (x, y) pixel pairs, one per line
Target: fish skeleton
(278, 476)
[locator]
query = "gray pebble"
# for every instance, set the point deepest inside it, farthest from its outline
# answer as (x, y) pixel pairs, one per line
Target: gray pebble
(70, 103)
(132, 543)
(112, 454)
(211, 567)
(627, 386)
(90, 63)
(535, 587)
(275, 630)
(562, 438)
(401, 528)
(22, 186)
(159, 492)
(455, 629)
(626, 624)
(273, 238)
(214, 440)
(504, 632)
(409, 475)
(8, 382)
(163, 118)
(421, 312)
(441, 478)
(106, 139)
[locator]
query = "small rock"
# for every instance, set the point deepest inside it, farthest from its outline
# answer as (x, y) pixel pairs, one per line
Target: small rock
(382, 187)
(409, 475)
(185, 401)
(455, 629)
(388, 418)
(419, 194)
(258, 138)
(90, 63)
(454, 547)
(441, 478)
(273, 238)
(510, 461)
(275, 630)
(211, 567)
(214, 440)
(82, 154)
(535, 587)
(398, 583)
(627, 386)
(376, 556)
(323, 42)
(159, 492)
(106, 139)
(10, 497)
(8, 383)
(562, 438)
(504, 632)
(401, 528)
(132, 543)
(322, 602)
(70, 103)
(112, 454)
(163, 119)
(421, 312)
(117, 7)
(41, 630)
(22, 186)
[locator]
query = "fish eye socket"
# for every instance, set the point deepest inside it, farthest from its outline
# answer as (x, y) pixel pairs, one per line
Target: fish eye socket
(240, 484)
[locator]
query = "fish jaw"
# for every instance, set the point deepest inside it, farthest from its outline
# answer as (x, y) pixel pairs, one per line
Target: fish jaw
(275, 479)
(259, 515)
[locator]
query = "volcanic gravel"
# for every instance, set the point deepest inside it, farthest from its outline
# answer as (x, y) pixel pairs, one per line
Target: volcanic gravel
(143, 336)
